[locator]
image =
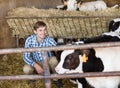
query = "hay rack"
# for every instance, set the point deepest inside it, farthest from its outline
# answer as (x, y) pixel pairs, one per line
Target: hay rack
(61, 27)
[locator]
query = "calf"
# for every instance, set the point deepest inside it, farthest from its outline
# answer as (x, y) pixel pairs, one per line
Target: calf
(83, 6)
(99, 60)
(94, 59)
(92, 6)
(112, 35)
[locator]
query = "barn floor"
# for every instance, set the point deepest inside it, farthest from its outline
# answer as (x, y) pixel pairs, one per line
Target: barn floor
(12, 65)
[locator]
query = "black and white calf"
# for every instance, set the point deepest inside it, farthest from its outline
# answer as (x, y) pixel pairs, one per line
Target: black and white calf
(94, 60)
(112, 35)
(92, 6)
(99, 60)
(83, 6)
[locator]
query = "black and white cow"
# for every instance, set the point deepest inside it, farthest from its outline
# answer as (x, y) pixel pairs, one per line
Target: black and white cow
(94, 60)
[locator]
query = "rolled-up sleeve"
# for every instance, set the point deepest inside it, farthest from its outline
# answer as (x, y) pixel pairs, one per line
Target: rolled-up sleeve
(27, 55)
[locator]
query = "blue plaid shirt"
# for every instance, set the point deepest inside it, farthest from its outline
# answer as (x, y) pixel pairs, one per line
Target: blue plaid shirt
(32, 57)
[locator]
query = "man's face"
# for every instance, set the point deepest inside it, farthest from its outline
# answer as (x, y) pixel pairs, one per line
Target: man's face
(40, 32)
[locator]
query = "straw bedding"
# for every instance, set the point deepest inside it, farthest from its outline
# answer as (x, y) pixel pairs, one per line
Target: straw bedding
(12, 64)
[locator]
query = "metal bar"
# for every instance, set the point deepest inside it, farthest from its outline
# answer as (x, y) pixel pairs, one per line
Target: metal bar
(75, 28)
(16, 26)
(70, 29)
(60, 17)
(59, 23)
(50, 26)
(13, 26)
(54, 32)
(31, 27)
(22, 27)
(46, 69)
(95, 22)
(101, 25)
(26, 25)
(61, 47)
(89, 21)
(63, 22)
(97, 26)
(104, 24)
(75, 75)
(85, 25)
(79, 21)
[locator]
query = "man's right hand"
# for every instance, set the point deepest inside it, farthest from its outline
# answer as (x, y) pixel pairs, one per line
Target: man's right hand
(38, 68)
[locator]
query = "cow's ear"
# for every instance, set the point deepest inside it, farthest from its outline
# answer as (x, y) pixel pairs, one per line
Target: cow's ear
(116, 26)
(111, 25)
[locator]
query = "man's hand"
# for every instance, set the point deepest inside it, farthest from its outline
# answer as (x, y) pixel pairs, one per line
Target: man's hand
(38, 68)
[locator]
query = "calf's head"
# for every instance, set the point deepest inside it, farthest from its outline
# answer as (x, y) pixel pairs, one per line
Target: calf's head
(114, 25)
(69, 61)
(71, 4)
(77, 61)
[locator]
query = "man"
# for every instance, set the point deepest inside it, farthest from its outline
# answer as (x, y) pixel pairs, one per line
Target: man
(38, 39)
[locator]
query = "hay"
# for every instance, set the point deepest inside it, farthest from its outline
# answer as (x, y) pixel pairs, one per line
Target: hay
(34, 12)
(60, 23)
(12, 64)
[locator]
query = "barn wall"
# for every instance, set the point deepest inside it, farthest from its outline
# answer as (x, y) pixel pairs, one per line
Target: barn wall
(6, 41)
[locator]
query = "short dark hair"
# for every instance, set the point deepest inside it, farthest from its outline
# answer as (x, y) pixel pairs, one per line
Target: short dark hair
(39, 24)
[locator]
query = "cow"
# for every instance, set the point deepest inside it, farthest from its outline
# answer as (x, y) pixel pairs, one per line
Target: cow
(94, 59)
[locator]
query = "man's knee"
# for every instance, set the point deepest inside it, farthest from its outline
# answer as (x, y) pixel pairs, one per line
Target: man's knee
(53, 62)
(28, 69)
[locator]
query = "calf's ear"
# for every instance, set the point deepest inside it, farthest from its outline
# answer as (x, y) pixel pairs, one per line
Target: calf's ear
(84, 58)
(116, 26)
(111, 25)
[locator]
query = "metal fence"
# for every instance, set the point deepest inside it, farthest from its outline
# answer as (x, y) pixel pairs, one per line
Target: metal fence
(47, 76)
(60, 27)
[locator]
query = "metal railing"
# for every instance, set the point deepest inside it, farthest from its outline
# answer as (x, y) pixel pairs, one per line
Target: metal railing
(47, 76)
(60, 27)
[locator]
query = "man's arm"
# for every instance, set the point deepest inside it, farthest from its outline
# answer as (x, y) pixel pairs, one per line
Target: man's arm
(27, 55)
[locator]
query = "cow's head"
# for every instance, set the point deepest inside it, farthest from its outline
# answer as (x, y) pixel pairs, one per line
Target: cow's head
(70, 62)
(77, 61)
